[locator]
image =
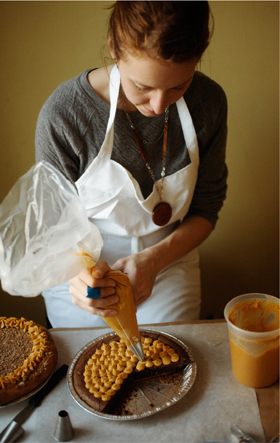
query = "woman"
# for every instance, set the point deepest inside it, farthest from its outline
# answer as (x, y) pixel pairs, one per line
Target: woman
(144, 142)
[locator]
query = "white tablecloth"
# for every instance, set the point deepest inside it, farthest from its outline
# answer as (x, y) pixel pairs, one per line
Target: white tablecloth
(205, 414)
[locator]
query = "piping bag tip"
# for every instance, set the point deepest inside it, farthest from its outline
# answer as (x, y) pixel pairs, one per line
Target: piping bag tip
(63, 429)
(138, 350)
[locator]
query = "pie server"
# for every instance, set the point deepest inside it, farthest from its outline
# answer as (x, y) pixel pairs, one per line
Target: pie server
(14, 431)
(241, 435)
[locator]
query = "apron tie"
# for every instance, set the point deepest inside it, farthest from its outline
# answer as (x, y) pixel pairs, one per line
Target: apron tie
(136, 245)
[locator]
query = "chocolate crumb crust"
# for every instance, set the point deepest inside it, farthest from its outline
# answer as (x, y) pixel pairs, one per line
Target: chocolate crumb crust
(28, 356)
(15, 345)
(127, 386)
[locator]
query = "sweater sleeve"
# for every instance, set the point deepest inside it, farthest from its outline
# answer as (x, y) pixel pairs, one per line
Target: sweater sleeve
(211, 128)
(51, 141)
(63, 135)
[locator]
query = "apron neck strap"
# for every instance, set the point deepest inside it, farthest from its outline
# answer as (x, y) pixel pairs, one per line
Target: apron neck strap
(188, 129)
(114, 88)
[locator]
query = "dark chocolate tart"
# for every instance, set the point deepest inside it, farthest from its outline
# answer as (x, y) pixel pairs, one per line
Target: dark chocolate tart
(28, 356)
(142, 393)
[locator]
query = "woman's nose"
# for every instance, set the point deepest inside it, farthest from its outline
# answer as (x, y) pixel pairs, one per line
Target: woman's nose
(158, 102)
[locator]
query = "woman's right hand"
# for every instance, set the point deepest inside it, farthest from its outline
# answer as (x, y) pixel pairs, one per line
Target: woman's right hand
(95, 279)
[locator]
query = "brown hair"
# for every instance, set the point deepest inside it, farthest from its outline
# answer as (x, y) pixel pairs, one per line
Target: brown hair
(174, 31)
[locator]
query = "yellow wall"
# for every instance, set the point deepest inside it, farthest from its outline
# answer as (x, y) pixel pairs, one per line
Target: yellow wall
(242, 254)
(46, 43)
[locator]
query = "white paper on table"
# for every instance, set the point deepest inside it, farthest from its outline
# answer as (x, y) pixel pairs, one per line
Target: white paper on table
(205, 414)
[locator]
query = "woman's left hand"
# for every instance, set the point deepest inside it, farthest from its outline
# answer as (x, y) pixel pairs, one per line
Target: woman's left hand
(141, 271)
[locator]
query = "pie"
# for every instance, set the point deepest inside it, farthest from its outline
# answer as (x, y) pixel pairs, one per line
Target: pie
(28, 356)
(108, 368)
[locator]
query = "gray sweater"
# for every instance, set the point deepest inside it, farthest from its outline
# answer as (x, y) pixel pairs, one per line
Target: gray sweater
(72, 124)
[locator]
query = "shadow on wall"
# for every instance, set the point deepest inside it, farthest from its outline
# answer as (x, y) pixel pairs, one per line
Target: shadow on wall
(230, 281)
(31, 308)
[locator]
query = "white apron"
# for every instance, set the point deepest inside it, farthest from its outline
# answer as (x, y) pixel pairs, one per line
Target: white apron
(115, 204)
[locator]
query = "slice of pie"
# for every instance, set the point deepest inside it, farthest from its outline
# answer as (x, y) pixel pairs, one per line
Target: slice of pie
(28, 357)
(107, 369)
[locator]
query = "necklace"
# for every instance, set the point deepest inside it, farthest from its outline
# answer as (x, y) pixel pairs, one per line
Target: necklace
(144, 141)
(162, 212)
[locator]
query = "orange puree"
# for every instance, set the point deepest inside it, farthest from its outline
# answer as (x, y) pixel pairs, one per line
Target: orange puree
(255, 315)
(124, 323)
(255, 356)
(252, 369)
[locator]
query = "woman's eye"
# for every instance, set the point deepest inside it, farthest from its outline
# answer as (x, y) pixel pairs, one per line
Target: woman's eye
(142, 89)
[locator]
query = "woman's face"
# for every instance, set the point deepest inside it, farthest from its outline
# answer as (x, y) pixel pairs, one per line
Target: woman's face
(150, 85)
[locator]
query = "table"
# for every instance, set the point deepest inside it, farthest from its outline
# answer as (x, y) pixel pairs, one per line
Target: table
(204, 414)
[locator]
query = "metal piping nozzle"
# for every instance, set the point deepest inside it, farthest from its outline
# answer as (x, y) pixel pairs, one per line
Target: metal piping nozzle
(138, 350)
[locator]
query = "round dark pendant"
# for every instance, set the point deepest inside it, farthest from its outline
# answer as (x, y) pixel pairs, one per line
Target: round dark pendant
(162, 214)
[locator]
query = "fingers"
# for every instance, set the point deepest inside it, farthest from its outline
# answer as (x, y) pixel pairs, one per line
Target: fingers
(79, 289)
(91, 279)
(141, 272)
(100, 269)
(97, 278)
(97, 307)
(78, 292)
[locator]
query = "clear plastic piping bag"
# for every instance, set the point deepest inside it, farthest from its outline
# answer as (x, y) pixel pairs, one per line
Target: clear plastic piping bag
(43, 229)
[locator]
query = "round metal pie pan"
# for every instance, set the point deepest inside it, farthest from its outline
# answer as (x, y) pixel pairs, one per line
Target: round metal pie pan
(28, 395)
(150, 395)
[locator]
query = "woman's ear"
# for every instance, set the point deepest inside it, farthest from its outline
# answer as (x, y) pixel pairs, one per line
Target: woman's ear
(111, 50)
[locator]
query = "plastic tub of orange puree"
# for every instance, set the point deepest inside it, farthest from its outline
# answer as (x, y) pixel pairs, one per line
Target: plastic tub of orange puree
(253, 325)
